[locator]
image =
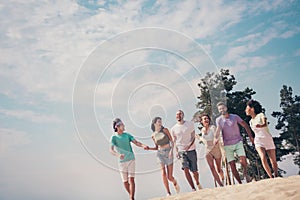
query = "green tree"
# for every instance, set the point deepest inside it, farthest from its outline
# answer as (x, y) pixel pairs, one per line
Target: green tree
(213, 89)
(288, 122)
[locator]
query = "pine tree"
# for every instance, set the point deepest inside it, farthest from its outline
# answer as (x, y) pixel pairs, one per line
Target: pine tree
(288, 122)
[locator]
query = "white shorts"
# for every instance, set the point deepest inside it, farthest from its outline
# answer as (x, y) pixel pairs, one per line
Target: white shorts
(265, 142)
(127, 169)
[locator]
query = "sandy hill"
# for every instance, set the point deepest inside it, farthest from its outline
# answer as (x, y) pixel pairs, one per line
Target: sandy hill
(274, 189)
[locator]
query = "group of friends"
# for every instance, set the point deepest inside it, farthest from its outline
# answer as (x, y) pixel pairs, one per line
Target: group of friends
(181, 137)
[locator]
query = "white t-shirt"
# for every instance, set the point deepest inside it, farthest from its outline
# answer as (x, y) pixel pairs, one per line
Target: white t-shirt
(182, 133)
(259, 132)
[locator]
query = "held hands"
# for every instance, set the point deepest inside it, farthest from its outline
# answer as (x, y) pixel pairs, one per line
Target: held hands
(146, 148)
(121, 156)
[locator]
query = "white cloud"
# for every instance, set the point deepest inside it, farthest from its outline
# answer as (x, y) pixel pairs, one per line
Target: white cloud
(11, 139)
(32, 116)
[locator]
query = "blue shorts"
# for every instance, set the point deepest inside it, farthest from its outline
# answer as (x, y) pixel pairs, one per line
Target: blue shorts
(163, 156)
(189, 160)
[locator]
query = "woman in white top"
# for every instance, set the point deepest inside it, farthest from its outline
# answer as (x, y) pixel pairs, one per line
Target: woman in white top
(263, 139)
(213, 150)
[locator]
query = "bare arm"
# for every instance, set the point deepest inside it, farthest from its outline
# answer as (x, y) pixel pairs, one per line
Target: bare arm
(115, 153)
(153, 148)
(139, 144)
(247, 128)
(193, 136)
(217, 135)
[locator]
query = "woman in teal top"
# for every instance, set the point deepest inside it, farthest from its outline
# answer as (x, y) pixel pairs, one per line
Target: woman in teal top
(164, 146)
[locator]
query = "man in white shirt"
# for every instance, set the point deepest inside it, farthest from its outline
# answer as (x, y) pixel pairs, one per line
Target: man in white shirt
(183, 133)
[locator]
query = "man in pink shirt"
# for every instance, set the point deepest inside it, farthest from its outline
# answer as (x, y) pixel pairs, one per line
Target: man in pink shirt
(233, 141)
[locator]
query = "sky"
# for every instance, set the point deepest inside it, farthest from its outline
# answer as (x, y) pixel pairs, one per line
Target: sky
(68, 68)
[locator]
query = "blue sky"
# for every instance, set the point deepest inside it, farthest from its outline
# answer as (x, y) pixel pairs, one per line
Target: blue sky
(69, 67)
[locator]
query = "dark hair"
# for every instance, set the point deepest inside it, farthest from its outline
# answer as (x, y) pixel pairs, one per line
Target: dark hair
(115, 123)
(153, 122)
(181, 112)
(221, 104)
(256, 105)
(202, 115)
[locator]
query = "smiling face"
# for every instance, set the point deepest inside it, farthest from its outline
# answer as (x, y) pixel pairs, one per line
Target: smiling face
(205, 121)
(249, 111)
(222, 109)
(179, 116)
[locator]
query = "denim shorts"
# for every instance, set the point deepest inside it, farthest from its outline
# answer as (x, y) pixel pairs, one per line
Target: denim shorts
(163, 156)
(189, 160)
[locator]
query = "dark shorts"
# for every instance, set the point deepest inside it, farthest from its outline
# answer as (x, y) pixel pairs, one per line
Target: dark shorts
(189, 160)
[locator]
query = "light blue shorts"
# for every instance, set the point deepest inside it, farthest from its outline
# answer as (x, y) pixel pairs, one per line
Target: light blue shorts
(237, 148)
(163, 156)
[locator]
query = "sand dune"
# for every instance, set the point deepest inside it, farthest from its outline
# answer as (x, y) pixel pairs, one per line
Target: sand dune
(274, 189)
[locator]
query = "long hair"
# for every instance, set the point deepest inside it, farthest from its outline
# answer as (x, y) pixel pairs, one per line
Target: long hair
(153, 122)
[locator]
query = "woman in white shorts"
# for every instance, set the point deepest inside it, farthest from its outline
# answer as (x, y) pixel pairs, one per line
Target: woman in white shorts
(263, 140)
(164, 146)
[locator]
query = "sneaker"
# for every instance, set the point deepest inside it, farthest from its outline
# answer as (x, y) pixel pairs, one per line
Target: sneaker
(199, 186)
(168, 194)
(193, 190)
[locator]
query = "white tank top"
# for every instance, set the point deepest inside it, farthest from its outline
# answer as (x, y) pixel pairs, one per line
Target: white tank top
(209, 136)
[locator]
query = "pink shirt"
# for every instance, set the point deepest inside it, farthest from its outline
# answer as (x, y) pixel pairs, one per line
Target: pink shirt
(230, 129)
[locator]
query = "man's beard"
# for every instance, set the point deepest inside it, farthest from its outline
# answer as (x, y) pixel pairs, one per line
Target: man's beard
(223, 112)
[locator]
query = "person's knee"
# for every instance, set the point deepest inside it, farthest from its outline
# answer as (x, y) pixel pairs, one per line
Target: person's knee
(131, 180)
(170, 177)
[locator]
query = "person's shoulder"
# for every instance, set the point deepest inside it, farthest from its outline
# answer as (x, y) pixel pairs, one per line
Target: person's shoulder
(212, 126)
(234, 116)
(261, 114)
(126, 134)
(165, 129)
(174, 126)
(113, 137)
(189, 123)
(218, 119)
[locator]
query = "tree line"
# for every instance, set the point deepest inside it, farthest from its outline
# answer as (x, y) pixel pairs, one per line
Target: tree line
(216, 87)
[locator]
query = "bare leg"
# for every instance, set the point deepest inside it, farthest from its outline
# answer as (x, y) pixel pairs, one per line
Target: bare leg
(272, 155)
(171, 177)
(196, 177)
(235, 172)
(189, 178)
(165, 179)
(126, 185)
(262, 154)
(132, 188)
(243, 162)
(210, 161)
(219, 168)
